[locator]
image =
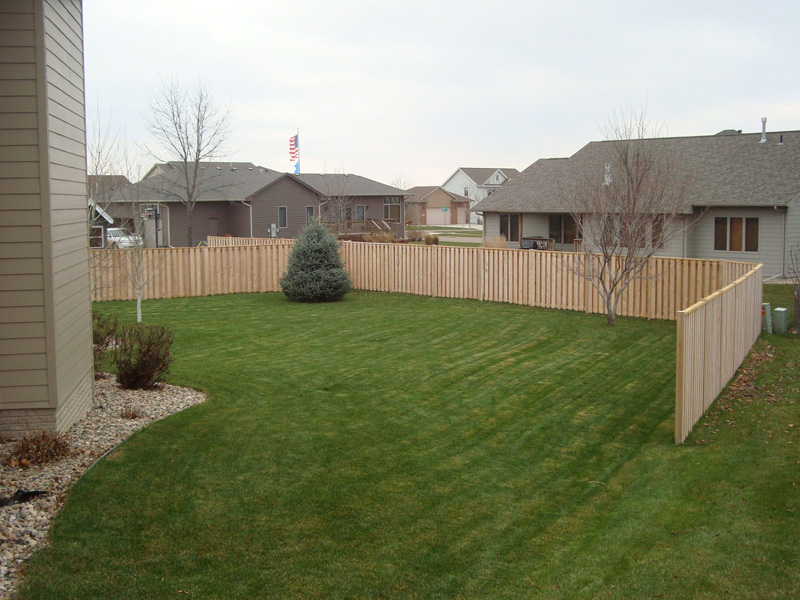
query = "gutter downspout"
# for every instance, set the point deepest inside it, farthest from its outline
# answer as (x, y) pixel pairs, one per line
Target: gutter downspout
(250, 206)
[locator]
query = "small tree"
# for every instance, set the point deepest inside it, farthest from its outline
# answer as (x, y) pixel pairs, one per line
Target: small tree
(315, 272)
(628, 209)
(794, 275)
(189, 128)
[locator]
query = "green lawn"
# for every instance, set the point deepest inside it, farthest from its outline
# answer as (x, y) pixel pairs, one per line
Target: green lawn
(394, 446)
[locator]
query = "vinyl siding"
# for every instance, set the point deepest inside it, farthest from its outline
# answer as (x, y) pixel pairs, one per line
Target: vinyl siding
(63, 40)
(285, 192)
(700, 238)
(22, 291)
(45, 310)
(792, 234)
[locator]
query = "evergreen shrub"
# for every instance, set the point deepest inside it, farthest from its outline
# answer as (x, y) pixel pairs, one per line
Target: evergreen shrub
(315, 272)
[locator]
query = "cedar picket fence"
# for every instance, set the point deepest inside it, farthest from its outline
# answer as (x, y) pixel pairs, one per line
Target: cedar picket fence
(716, 303)
(714, 336)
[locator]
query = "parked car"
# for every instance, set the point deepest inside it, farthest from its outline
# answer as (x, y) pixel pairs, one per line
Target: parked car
(122, 238)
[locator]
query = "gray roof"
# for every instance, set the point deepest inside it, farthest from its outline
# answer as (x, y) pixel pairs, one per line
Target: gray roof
(220, 181)
(481, 175)
(421, 192)
(717, 170)
(339, 184)
(347, 185)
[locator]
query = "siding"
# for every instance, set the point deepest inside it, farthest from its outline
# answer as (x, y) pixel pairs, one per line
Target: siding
(45, 309)
(700, 238)
(792, 235)
(23, 345)
(286, 192)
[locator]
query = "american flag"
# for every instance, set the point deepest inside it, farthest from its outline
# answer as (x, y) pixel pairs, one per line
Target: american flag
(294, 147)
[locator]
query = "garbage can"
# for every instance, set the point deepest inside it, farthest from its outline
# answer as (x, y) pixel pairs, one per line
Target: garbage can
(781, 320)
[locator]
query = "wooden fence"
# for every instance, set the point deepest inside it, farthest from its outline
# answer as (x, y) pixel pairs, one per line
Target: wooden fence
(714, 336)
(716, 303)
(215, 241)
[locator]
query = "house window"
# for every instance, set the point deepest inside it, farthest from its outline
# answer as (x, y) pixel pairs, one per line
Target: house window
(309, 215)
(391, 208)
(354, 213)
(466, 192)
(281, 216)
(736, 234)
(562, 229)
(509, 227)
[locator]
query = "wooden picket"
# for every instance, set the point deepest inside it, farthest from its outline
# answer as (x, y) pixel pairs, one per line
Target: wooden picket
(716, 303)
(714, 336)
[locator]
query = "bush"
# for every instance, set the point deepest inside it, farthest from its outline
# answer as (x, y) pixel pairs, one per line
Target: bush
(414, 235)
(142, 355)
(39, 449)
(315, 272)
(431, 239)
(104, 331)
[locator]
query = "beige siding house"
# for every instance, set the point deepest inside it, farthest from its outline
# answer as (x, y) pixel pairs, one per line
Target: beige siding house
(743, 191)
(45, 312)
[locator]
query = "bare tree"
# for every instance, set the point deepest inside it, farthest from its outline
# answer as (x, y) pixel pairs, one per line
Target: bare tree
(794, 275)
(628, 208)
(189, 127)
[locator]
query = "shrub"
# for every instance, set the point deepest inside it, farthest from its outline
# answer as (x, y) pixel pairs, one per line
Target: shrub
(142, 355)
(39, 449)
(381, 237)
(431, 239)
(315, 272)
(104, 330)
(130, 412)
(414, 235)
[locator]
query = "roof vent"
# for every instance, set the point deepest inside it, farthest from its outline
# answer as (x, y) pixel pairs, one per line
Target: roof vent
(763, 130)
(233, 168)
(607, 178)
(249, 168)
(219, 168)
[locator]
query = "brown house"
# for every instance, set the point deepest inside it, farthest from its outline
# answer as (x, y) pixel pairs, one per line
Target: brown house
(46, 378)
(244, 200)
(431, 205)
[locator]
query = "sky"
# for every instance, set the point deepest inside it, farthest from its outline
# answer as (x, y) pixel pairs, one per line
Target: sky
(409, 91)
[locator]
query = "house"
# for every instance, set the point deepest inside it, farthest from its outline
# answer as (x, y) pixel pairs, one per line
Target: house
(46, 366)
(477, 183)
(245, 200)
(98, 187)
(742, 191)
(432, 205)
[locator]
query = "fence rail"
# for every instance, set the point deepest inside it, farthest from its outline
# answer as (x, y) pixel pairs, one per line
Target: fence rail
(716, 303)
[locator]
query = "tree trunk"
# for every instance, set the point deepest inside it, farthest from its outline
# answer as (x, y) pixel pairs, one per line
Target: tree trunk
(189, 226)
(139, 305)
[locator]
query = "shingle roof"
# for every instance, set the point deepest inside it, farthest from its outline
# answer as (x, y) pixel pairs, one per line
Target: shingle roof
(480, 175)
(329, 184)
(421, 192)
(221, 182)
(718, 170)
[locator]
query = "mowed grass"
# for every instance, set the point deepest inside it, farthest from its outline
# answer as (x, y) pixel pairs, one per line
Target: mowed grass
(405, 447)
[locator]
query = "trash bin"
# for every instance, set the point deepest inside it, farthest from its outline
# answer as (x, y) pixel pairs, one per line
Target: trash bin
(781, 320)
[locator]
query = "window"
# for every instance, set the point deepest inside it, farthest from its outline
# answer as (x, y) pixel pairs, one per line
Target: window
(309, 215)
(562, 229)
(509, 227)
(466, 192)
(391, 208)
(355, 213)
(736, 234)
(281, 216)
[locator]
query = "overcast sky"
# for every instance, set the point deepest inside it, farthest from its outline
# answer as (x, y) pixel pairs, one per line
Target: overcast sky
(420, 88)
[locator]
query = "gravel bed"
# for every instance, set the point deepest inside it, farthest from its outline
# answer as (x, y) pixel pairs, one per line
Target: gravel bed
(23, 527)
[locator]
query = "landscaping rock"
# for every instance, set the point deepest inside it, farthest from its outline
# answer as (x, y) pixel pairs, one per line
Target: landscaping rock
(23, 526)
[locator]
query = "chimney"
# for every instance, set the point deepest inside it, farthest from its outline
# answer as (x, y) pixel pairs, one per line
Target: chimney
(763, 130)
